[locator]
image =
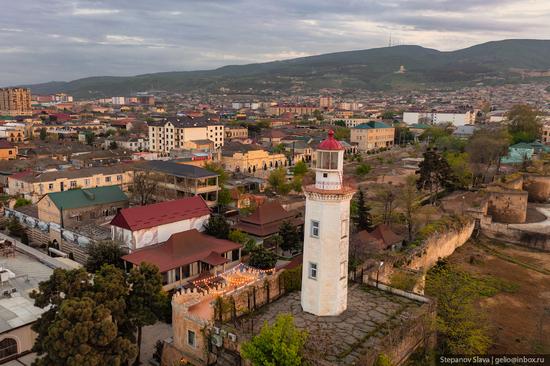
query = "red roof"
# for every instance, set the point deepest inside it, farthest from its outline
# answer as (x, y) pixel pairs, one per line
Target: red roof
(267, 219)
(184, 248)
(142, 217)
(5, 144)
(330, 143)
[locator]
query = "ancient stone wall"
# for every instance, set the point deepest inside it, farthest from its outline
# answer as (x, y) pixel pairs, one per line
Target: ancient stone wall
(507, 233)
(507, 206)
(538, 187)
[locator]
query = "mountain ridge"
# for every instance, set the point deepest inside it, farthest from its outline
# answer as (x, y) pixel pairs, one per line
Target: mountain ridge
(367, 69)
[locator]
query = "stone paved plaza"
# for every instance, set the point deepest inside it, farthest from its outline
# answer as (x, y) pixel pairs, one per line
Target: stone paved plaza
(342, 339)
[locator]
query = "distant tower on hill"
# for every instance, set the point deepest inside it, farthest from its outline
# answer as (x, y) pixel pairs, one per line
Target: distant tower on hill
(326, 234)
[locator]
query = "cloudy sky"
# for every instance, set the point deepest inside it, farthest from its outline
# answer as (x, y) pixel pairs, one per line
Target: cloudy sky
(63, 40)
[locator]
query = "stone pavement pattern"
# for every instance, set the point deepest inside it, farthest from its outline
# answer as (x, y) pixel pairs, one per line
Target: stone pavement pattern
(345, 338)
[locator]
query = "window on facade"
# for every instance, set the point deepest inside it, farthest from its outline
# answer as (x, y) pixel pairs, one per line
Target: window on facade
(235, 255)
(314, 228)
(73, 183)
(186, 271)
(87, 182)
(343, 269)
(107, 179)
(327, 160)
(344, 228)
(50, 186)
(191, 338)
(313, 270)
(164, 278)
(8, 347)
(119, 178)
(178, 273)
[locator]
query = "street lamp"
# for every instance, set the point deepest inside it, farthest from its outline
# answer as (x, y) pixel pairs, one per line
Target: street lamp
(378, 272)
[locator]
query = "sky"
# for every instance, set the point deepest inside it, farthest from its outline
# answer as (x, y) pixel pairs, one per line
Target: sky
(64, 40)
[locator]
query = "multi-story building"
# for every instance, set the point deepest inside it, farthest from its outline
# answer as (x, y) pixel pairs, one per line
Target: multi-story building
(545, 132)
(299, 110)
(236, 133)
(252, 160)
(436, 117)
(350, 121)
(372, 135)
(7, 150)
(171, 133)
(15, 101)
(33, 185)
(325, 102)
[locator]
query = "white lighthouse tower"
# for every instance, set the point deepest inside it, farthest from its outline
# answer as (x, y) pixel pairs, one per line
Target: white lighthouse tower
(326, 234)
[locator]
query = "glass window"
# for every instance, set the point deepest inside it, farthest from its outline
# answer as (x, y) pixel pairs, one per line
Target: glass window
(191, 338)
(107, 179)
(333, 160)
(50, 186)
(8, 347)
(313, 270)
(119, 178)
(73, 183)
(315, 228)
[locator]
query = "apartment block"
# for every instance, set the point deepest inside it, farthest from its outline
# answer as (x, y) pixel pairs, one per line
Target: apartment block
(15, 101)
(372, 135)
(173, 132)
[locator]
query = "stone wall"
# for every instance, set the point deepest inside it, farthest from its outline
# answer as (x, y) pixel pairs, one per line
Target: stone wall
(507, 233)
(538, 187)
(507, 206)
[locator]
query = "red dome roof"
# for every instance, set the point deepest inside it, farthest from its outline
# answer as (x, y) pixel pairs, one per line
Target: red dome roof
(330, 143)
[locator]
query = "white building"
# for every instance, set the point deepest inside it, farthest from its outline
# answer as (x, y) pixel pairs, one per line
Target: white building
(173, 133)
(351, 121)
(455, 118)
(118, 100)
(326, 234)
(142, 226)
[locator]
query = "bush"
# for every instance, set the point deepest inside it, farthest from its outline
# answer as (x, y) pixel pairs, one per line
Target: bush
(292, 279)
(363, 169)
(24, 238)
(21, 202)
(262, 258)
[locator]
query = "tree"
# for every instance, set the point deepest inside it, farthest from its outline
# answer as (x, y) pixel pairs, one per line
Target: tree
(217, 226)
(104, 252)
(113, 145)
(90, 137)
(434, 173)
(278, 182)
(43, 134)
(290, 236)
(22, 202)
(364, 217)
(107, 288)
(218, 169)
(485, 148)
(279, 149)
(461, 329)
(523, 123)
(146, 299)
(300, 168)
(409, 199)
(388, 114)
(244, 239)
(363, 169)
(262, 258)
(340, 123)
(14, 227)
(342, 133)
(83, 332)
(278, 344)
(318, 115)
(144, 187)
(224, 197)
(386, 195)
(460, 168)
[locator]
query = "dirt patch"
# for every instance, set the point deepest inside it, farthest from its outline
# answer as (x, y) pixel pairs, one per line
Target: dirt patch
(520, 320)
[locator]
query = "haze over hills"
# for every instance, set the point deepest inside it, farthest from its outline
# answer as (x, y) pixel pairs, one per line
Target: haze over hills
(371, 69)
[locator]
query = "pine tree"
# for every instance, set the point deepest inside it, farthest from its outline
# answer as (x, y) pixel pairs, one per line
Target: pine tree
(364, 217)
(434, 173)
(290, 236)
(217, 226)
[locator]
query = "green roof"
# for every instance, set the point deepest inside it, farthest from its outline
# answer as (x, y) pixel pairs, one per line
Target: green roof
(372, 124)
(77, 198)
(420, 126)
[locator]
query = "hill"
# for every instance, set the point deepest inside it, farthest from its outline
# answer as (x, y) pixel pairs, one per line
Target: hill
(371, 69)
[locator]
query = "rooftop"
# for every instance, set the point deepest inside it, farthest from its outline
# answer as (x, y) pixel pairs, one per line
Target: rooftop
(77, 198)
(372, 124)
(330, 143)
(142, 217)
(178, 170)
(184, 248)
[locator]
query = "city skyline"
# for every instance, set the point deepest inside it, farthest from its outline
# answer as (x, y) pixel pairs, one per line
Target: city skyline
(75, 39)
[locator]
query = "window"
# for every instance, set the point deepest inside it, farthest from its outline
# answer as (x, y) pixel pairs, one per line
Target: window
(73, 183)
(344, 228)
(191, 339)
(87, 182)
(107, 179)
(313, 270)
(343, 269)
(119, 178)
(50, 186)
(8, 347)
(314, 229)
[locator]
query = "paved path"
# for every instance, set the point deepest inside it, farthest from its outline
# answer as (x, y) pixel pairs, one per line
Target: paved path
(151, 334)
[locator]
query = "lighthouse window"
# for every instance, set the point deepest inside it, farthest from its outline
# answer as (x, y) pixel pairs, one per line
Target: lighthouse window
(313, 270)
(315, 228)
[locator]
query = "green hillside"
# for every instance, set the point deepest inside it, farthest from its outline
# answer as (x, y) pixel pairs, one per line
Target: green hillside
(372, 69)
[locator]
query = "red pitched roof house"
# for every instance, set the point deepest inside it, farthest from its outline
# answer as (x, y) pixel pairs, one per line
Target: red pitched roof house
(187, 255)
(141, 226)
(381, 238)
(266, 220)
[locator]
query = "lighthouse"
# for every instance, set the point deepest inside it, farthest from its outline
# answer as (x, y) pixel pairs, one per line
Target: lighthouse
(326, 234)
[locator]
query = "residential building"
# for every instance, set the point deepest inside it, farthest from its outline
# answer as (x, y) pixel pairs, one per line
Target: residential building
(299, 110)
(176, 181)
(545, 133)
(132, 143)
(252, 159)
(142, 226)
(266, 220)
(351, 121)
(187, 255)
(33, 185)
(8, 151)
(380, 239)
(237, 132)
(73, 207)
(437, 117)
(15, 101)
(174, 132)
(372, 135)
(326, 102)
